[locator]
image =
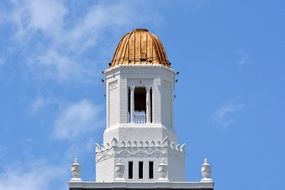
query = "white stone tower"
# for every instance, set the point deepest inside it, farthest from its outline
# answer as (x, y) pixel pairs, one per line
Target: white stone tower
(140, 144)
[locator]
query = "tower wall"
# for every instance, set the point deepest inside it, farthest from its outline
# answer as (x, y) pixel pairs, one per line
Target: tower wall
(159, 78)
(113, 101)
(126, 140)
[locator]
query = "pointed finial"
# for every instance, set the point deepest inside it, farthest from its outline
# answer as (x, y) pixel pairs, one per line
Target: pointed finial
(206, 172)
(75, 171)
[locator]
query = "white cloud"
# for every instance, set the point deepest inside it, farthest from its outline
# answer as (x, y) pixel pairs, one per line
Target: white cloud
(26, 176)
(46, 15)
(77, 119)
(40, 102)
(32, 16)
(79, 148)
(100, 19)
(60, 41)
(243, 57)
(37, 104)
(56, 65)
(226, 115)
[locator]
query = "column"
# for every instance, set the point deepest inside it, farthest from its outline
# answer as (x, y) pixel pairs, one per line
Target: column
(148, 104)
(132, 103)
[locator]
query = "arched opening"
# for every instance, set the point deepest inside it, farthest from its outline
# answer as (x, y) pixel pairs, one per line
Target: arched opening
(140, 105)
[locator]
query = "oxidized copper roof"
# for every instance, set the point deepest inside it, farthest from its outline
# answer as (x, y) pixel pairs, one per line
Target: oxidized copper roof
(140, 47)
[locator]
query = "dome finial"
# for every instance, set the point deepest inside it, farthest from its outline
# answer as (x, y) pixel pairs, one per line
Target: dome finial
(75, 171)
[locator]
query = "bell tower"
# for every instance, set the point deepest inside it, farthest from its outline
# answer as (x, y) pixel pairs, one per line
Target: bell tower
(139, 143)
(139, 100)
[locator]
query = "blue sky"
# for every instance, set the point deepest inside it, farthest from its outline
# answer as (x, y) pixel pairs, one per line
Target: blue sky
(229, 104)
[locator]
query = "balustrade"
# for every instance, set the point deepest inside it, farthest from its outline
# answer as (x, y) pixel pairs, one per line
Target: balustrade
(139, 117)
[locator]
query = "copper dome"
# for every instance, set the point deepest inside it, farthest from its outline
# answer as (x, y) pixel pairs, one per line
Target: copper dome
(140, 47)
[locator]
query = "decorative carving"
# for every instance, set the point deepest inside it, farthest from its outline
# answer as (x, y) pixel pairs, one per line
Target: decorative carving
(157, 154)
(119, 171)
(172, 145)
(141, 153)
(104, 156)
(123, 154)
(123, 144)
(162, 171)
(140, 144)
(206, 171)
(113, 84)
(146, 144)
(182, 148)
(129, 144)
(152, 144)
(177, 147)
(136, 149)
(114, 142)
(165, 141)
(98, 147)
(158, 143)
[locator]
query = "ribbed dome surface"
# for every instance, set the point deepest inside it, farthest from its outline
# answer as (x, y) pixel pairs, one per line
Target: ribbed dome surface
(140, 47)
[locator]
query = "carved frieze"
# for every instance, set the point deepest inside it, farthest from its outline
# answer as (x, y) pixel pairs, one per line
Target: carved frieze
(134, 149)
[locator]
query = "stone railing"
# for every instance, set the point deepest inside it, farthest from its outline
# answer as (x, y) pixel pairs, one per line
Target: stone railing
(139, 117)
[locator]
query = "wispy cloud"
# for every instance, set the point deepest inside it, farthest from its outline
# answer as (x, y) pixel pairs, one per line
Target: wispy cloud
(97, 21)
(37, 16)
(56, 45)
(42, 102)
(242, 57)
(226, 115)
(79, 148)
(37, 104)
(57, 65)
(35, 176)
(77, 119)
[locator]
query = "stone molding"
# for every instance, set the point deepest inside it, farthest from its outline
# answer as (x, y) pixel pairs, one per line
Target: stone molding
(142, 65)
(148, 71)
(90, 185)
